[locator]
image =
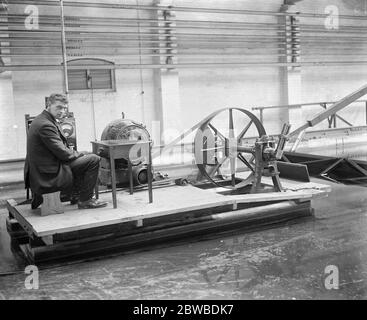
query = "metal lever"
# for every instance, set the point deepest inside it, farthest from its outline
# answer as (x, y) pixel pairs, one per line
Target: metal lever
(283, 138)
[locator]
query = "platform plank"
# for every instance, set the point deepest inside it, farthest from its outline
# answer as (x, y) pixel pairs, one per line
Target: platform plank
(279, 196)
(134, 207)
(296, 185)
(246, 219)
(167, 201)
(292, 189)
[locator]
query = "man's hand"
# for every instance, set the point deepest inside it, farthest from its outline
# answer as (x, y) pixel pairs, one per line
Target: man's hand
(85, 152)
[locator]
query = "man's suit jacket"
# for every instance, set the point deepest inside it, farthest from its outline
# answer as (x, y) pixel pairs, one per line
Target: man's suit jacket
(48, 154)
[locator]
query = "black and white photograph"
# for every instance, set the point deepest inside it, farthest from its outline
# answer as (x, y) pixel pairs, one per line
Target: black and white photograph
(183, 155)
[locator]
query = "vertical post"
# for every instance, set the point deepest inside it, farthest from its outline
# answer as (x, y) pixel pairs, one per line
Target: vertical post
(366, 112)
(130, 173)
(182, 152)
(298, 141)
(142, 92)
(166, 79)
(150, 178)
(291, 92)
(262, 115)
(90, 78)
(113, 175)
(275, 176)
(63, 46)
(96, 187)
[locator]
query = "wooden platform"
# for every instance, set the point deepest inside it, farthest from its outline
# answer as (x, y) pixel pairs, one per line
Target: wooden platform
(173, 207)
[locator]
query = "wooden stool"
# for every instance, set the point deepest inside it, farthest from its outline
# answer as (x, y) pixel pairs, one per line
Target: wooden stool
(51, 204)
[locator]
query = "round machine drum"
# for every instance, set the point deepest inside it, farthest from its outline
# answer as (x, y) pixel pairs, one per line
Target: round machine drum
(124, 129)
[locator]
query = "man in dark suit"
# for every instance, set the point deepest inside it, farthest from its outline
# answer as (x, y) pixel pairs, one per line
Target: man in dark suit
(52, 166)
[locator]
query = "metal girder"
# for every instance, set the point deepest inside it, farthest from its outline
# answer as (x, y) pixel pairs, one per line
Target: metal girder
(337, 106)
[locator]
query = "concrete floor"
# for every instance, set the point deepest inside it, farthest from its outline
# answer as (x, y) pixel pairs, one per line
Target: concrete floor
(287, 262)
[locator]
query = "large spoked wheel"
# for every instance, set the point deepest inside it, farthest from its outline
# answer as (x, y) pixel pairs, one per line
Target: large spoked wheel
(221, 156)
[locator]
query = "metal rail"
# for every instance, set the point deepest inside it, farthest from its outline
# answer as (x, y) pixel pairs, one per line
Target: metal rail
(76, 18)
(298, 105)
(332, 110)
(323, 104)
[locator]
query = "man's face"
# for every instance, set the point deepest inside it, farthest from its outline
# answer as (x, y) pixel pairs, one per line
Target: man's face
(57, 109)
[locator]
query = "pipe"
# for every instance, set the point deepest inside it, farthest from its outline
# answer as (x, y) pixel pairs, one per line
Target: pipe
(63, 44)
(85, 37)
(187, 50)
(94, 24)
(184, 9)
(73, 18)
(96, 44)
(276, 29)
(80, 20)
(76, 19)
(79, 31)
(182, 24)
(151, 34)
(109, 19)
(123, 54)
(183, 56)
(182, 65)
(91, 53)
(193, 40)
(119, 40)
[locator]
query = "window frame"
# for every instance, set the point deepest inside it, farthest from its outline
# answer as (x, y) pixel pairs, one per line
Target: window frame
(97, 61)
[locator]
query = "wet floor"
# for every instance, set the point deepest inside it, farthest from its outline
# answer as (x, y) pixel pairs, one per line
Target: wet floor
(286, 262)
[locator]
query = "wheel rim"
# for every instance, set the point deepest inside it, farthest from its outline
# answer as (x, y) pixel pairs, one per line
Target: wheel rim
(210, 139)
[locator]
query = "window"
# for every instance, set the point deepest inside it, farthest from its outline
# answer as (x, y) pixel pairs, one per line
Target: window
(88, 77)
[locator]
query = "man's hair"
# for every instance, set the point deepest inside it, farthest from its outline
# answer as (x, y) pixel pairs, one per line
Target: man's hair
(56, 97)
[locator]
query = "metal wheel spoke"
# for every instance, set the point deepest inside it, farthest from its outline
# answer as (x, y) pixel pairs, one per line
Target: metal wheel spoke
(229, 147)
(233, 171)
(245, 129)
(231, 124)
(214, 148)
(216, 131)
(243, 159)
(205, 153)
(217, 166)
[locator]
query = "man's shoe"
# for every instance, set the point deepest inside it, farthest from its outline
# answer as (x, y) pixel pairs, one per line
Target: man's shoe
(37, 200)
(91, 204)
(74, 200)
